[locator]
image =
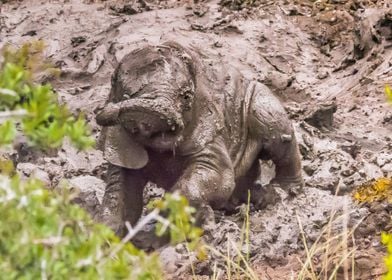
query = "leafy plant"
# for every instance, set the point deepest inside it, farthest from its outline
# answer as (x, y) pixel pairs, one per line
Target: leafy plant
(33, 108)
(386, 239)
(388, 93)
(43, 235)
(179, 219)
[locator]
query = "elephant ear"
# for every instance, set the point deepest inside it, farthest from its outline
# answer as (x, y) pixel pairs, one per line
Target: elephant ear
(121, 150)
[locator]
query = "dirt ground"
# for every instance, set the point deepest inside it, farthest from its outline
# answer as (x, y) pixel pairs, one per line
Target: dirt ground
(328, 61)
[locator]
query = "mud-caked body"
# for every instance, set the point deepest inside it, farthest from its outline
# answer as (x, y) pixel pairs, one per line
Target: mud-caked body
(191, 124)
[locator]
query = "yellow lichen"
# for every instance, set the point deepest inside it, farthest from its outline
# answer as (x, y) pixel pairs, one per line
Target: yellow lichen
(375, 190)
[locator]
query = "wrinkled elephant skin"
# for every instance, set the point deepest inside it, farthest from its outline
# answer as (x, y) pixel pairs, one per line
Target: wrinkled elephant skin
(190, 125)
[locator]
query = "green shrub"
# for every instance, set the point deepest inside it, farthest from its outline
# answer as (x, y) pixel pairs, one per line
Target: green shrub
(386, 238)
(33, 108)
(43, 235)
(387, 241)
(179, 220)
(388, 93)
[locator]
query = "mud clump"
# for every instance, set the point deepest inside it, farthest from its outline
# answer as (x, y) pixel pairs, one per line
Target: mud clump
(322, 117)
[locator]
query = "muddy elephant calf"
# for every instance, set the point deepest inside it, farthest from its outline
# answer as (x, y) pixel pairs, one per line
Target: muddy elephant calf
(187, 125)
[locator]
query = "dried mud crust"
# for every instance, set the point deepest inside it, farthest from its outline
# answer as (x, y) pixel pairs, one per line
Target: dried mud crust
(327, 62)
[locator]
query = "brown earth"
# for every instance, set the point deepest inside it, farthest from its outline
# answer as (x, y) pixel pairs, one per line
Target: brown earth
(327, 60)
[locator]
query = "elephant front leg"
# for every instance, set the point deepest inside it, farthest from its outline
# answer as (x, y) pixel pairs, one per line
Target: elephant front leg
(207, 181)
(123, 198)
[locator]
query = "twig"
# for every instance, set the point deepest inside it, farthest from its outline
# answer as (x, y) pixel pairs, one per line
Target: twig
(131, 233)
(13, 114)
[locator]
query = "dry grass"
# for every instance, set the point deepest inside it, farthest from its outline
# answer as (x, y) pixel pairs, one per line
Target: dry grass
(237, 266)
(332, 253)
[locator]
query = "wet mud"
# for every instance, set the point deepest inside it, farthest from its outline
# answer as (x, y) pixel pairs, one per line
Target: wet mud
(327, 61)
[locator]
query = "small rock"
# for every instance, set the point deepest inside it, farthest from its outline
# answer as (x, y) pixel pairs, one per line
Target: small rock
(26, 168)
(90, 192)
(324, 183)
(146, 238)
(372, 171)
(352, 108)
(127, 9)
(218, 44)
(347, 172)
(170, 259)
(89, 184)
(383, 158)
(387, 119)
(278, 80)
(377, 207)
(387, 169)
(77, 90)
(43, 176)
(308, 140)
(322, 75)
(77, 163)
(198, 27)
(334, 166)
(310, 169)
(232, 29)
(352, 148)
(352, 181)
(322, 116)
(31, 170)
(200, 10)
(30, 33)
(180, 248)
(97, 60)
(76, 41)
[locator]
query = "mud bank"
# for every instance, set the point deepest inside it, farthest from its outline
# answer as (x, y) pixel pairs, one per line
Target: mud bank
(328, 64)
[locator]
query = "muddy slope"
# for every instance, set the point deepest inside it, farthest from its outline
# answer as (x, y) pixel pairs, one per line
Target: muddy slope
(327, 62)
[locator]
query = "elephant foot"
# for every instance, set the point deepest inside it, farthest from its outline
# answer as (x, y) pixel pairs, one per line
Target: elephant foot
(112, 221)
(293, 187)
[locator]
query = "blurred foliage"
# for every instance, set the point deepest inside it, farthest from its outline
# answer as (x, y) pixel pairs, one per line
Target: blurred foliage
(33, 108)
(179, 220)
(386, 239)
(388, 93)
(44, 236)
(375, 190)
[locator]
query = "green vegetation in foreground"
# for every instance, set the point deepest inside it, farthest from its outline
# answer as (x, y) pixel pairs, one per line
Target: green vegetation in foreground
(388, 93)
(43, 235)
(33, 108)
(386, 238)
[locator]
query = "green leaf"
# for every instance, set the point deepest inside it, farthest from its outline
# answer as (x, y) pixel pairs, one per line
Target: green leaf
(7, 132)
(79, 134)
